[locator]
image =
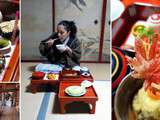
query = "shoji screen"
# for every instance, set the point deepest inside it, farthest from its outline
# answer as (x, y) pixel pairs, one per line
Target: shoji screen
(87, 14)
(40, 18)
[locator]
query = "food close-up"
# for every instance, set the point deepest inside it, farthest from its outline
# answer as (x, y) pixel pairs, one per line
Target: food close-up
(79, 59)
(135, 61)
(9, 41)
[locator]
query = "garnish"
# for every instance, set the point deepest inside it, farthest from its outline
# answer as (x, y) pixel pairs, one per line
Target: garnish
(146, 63)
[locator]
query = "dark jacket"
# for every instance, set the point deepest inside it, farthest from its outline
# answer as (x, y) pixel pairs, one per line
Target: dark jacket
(56, 57)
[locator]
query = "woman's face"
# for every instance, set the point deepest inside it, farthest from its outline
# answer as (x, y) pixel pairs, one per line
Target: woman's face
(62, 32)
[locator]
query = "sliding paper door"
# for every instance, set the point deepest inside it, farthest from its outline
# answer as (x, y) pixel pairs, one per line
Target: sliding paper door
(87, 16)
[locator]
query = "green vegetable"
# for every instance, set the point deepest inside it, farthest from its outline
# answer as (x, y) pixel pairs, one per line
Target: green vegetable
(4, 43)
(139, 29)
(148, 32)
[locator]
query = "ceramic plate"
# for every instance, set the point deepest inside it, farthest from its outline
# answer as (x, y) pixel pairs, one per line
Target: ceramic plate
(75, 91)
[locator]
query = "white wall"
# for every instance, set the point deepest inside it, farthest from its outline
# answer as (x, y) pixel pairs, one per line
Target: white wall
(36, 26)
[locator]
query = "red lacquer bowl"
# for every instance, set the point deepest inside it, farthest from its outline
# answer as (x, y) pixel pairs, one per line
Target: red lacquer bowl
(38, 75)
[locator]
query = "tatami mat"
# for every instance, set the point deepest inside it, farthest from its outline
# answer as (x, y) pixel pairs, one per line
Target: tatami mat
(33, 105)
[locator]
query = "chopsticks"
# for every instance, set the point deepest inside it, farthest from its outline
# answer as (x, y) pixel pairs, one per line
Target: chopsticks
(51, 40)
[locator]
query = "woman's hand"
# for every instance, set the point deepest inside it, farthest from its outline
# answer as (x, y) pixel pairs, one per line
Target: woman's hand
(68, 49)
(50, 42)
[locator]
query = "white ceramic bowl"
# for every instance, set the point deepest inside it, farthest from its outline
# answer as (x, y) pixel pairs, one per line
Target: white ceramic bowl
(84, 69)
(61, 47)
(76, 68)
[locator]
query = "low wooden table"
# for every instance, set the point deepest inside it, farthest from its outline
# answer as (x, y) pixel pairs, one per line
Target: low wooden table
(90, 97)
(36, 83)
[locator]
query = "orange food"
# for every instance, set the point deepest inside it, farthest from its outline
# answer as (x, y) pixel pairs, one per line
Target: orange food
(52, 76)
(154, 94)
(146, 63)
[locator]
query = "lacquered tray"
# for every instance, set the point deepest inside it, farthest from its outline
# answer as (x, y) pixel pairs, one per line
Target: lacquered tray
(44, 80)
(79, 77)
(90, 91)
(70, 74)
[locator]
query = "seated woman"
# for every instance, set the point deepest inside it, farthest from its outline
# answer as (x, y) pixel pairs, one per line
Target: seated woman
(69, 53)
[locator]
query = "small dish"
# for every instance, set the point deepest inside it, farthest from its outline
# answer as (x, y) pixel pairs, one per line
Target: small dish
(5, 46)
(76, 68)
(84, 69)
(38, 75)
(85, 74)
(86, 83)
(75, 91)
(154, 20)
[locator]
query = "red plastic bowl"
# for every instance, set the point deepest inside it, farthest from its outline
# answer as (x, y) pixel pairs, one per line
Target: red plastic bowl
(38, 75)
